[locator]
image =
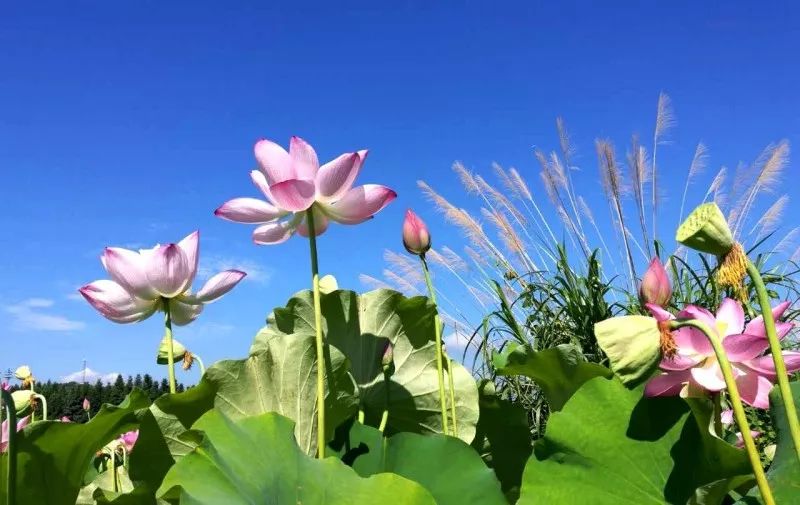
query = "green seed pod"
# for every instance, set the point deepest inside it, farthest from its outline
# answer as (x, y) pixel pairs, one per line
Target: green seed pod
(632, 344)
(706, 230)
(178, 350)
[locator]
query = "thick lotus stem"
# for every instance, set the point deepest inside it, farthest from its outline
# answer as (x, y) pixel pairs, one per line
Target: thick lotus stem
(170, 351)
(439, 352)
(318, 334)
(11, 450)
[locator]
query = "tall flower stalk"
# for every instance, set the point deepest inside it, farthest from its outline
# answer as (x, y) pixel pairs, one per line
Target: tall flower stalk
(320, 344)
(170, 347)
(9, 434)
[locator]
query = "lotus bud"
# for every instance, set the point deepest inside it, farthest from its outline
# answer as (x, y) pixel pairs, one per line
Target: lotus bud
(633, 345)
(655, 287)
(416, 237)
(178, 351)
(328, 284)
(387, 359)
(86, 405)
(129, 439)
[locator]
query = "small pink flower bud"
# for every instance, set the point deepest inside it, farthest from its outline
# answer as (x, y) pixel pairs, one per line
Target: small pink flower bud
(416, 237)
(86, 405)
(655, 287)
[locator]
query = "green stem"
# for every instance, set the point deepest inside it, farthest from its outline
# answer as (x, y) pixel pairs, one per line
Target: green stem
(361, 415)
(200, 364)
(44, 405)
(33, 411)
(452, 396)
(114, 471)
(11, 452)
(312, 240)
(736, 404)
(777, 354)
(438, 333)
(385, 415)
(170, 351)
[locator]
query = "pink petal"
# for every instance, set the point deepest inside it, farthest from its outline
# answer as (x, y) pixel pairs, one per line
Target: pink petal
(336, 177)
(304, 159)
(218, 285)
(129, 270)
(754, 390)
(248, 210)
(740, 440)
(765, 366)
(117, 304)
(679, 362)
(168, 271)
(274, 233)
(691, 339)
(744, 347)
(274, 161)
(658, 312)
(709, 377)
(190, 246)
(183, 313)
(756, 326)
(261, 183)
(667, 384)
(726, 417)
(294, 195)
(360, 204)
(730, 312)
(321, 222)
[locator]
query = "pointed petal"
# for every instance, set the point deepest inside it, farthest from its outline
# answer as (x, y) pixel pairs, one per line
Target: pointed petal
(709, 376)
(679, 362)
(693, 340)
(360, 204)
(336, 177)
(249, 210)
(765, 366)
(321, 222)
(658, 312)
(731, 314)
(274, 233)
(304, 159)
(744, 347)
(217, 286)
(754, 390)
(168, 271)
(183, 313)
(756, 326)
(190, 246)
(293, 195)
(129, 270)
(261, 183)
(726, 417)
(667, 384)
(117, 304)
(274, 161)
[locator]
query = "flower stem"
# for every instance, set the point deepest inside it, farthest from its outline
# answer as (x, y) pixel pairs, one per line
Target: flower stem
(452, 396)
(385, 415)
(312, 240)
(11, 452)
(438, 334)
(200, 364)
(33, 410)
(736, 404)
(777, 355)
(44, 405)
(168, 336)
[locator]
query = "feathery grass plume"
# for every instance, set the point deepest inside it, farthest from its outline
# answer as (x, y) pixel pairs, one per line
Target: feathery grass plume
(501, 201)
(443, 261)
(552, 174)
(508, 235)
(455, 261)
(541, 222)
(740, 180)
(466, 178)
(505, 179)
(519, 183)
(612, 186)
(637, 166)
(770, 221)
(788, 242)
(399, 283)
(696, 168)
(768, 169)
(565, 143)
(372, 282)
(405, 265)
(665, 120)
(716, 183)
(589, 215)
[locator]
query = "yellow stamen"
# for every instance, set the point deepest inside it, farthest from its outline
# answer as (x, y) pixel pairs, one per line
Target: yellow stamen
(668, 347)
(732, 269)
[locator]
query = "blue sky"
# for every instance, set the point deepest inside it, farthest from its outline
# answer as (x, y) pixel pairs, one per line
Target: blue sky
(128, 123)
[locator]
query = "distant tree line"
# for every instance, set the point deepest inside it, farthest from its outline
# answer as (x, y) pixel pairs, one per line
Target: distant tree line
(66, 399)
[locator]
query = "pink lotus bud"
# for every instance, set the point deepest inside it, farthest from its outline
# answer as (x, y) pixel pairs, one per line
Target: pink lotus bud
(416, 237)
(129, 439)
(86, 405)
(387, 359)
(655, 287)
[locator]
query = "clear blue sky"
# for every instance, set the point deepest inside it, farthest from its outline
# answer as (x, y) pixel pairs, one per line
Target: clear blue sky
(128, 123)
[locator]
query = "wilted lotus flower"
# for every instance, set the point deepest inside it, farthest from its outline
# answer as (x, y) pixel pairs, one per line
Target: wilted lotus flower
(129, 439)
(142, 281)
(416, 237)
(655, 287)
(694, 369)
(294, 182)
(86, 405)
(4, 431)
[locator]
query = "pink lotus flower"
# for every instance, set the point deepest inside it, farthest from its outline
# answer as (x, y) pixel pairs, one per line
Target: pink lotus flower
(141, 281)
(4, 431)
(694, 369)
(655, 287)
(416, 237)
(294, 182)
(129, 439)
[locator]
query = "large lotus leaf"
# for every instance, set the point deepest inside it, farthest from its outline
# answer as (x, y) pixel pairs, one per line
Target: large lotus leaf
(101, 489)
(784, 474)
(559, 371)
(609, 445)
(282, 377)
(256, 460)
(360, 326)
(53, 456)
(446, 466)
(159, 444)
(503, 438)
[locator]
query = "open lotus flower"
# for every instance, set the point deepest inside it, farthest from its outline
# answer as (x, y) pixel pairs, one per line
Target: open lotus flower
(4, 431)
(694, 369)
(141, 282)
(293, 182)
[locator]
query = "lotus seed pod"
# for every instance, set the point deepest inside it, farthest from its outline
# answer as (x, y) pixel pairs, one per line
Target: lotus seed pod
(178, 350)
(706, 230)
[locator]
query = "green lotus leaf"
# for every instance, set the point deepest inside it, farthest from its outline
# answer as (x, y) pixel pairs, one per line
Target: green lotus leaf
(441, 464)
(256, 460)
(632, 344)
(360, 326)
(281, 377)
(610, 445)
(559, 371)
(784, 473)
